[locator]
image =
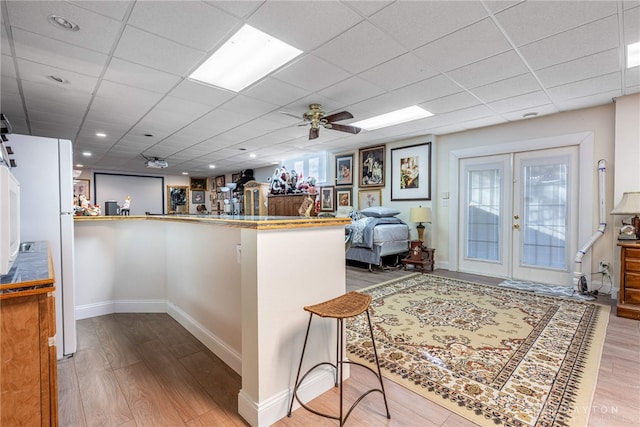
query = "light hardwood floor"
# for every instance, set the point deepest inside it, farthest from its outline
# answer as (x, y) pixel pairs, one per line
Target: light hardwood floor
(147, 370)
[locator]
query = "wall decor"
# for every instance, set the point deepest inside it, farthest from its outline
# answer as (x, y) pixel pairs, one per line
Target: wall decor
(343, 197)
(82, 187)
(198, 184)
(236, 176)
(327, 199)
(177, 199)
(372, 166)
(369, 198)
(344, 170)
(197, 196)
(220, 181)
(411, 172)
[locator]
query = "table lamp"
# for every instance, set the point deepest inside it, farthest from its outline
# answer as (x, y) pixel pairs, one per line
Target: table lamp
(630, 205)
(420, 215)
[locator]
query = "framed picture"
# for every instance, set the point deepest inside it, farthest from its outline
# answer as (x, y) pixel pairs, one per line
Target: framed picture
(372, 166)
(236, 176)
(343, 197)
(82, 187)
(344, 169)
(326, 199)
(198, 184)
(220, 181)
(411, 172)
(197, 196)
(369, 198)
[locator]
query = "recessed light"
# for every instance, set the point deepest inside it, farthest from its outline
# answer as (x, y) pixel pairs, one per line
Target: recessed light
(530, 114)
(148, 135)
(57, 79)
(393, 118)
(86, 153)
(79, 165)
(633, 55)
(252, 155)
(245, 58)
(212, 166)
(63, 23)
(242, 149)
(101, 135)
(185, 173)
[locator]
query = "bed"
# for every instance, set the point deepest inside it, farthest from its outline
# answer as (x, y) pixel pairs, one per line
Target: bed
(376, 233)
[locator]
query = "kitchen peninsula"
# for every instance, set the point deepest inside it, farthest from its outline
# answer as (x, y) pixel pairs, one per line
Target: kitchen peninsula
(238, 284)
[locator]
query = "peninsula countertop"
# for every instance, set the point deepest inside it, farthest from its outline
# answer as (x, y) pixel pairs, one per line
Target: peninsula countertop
(32, 272)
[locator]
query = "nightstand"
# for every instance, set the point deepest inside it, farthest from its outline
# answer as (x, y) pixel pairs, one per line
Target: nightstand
(629, 296)
(419, 256)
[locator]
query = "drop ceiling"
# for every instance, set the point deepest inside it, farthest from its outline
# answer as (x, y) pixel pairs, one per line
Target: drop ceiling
(472, 64)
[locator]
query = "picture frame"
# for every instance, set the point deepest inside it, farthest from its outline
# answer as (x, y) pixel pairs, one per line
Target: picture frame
(369, 198)
(327, 199)
(343, 197)
(197, 197)
(236, 176)
(411, 172)
(372, 166)
(82, 187)
(197, 184)
(220, 182)
(344, 170)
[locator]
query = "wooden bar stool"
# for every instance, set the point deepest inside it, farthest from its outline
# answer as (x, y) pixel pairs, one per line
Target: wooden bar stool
(343, 307)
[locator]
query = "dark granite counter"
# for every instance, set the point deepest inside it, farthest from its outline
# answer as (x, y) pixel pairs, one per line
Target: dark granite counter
(31, 272)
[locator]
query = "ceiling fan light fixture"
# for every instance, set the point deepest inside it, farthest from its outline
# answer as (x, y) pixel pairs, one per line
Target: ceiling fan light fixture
(633, 55)
(393, 118)
(245, 58)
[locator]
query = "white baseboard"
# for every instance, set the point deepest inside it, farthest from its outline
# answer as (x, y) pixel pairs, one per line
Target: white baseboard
(276, 408)
(228, 355)
(120, 306)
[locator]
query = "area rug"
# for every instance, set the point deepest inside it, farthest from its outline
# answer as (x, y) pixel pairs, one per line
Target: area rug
(492, 355)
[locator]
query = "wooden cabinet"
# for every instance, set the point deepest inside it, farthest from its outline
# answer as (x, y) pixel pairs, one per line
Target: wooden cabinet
(419, 256)
(629, 297)
(255, 198)
(28, 359)
(289, 204)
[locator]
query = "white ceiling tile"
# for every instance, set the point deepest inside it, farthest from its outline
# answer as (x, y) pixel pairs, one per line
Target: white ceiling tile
(7, 67)
(449, 103)
(498, 67)
(631, 27)
(631, 78)
(304, 24)
(5, 47)
(135, 75)
(96, 32)
(542, 110)
(516, 103)
(579, 69)
(36, 48)
(311, 73)
(586, 87)
(368, 7)
(201, 93)
(534, 20)
(250, 106)
(49, 96)
(360, 48)
(193, 23)
(415, 23)
(153, 51)
(276, 91)
(386, 75)
(351, 91)
(35, 72)
(573, 44)
(240, 9)
(9, 85)
(470, 44)
(498, 5)
(115, 9)
(518, 85)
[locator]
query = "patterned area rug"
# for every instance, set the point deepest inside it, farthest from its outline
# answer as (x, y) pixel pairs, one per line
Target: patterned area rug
(491, 354)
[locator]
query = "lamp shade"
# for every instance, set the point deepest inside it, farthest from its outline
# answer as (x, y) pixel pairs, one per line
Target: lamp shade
(629, 205)
(420, 214)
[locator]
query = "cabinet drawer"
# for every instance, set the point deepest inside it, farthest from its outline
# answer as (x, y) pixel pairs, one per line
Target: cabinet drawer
(632, 280)
(632, 264)
(632, 253)
(632, 296)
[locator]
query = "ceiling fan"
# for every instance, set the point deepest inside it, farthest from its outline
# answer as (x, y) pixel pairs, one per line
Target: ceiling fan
(316, 118)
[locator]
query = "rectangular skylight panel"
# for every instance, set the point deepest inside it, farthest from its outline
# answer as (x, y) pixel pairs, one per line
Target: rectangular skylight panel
(244, 59)
(393, 118)
(633, 55)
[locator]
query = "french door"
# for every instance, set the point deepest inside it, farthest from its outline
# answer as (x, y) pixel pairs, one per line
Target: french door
(515, 215)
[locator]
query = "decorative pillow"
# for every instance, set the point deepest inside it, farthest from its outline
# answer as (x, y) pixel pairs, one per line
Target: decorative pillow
(379, 212)
(354, 215)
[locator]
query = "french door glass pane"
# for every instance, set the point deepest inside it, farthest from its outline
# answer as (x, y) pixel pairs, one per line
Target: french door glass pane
(483, 214)
(545, 215)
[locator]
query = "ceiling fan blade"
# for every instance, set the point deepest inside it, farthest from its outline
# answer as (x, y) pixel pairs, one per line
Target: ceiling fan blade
(314, 133)
(343, 115)
(345, 128)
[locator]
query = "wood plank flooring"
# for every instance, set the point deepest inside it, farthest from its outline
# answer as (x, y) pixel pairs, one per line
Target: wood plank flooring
(147, 370)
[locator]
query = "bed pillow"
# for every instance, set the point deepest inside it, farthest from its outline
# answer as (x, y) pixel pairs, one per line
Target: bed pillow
(379, 212)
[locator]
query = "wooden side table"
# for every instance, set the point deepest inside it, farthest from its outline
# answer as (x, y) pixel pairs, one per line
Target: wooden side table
(420, 257)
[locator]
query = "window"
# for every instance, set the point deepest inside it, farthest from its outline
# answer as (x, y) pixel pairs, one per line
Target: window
(312, 165)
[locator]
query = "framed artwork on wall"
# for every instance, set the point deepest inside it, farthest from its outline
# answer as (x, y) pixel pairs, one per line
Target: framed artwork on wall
(372, 166)
(236, 176)
(220, 181)
(82, 187)
(197, 196)
(411, 172)
(344, 170)
(327, 198)
(343, 197)
(369, 198)
(198, 184)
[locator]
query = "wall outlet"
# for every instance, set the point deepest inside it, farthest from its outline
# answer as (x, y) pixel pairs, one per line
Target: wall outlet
(604, 268)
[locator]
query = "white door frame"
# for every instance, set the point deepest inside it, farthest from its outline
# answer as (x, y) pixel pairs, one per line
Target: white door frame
(587, 174)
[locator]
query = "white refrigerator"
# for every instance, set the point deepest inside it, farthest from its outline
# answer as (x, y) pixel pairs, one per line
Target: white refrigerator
(44, 169)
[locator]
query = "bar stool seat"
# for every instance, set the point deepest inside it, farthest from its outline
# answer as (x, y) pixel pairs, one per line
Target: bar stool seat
(343, 307)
